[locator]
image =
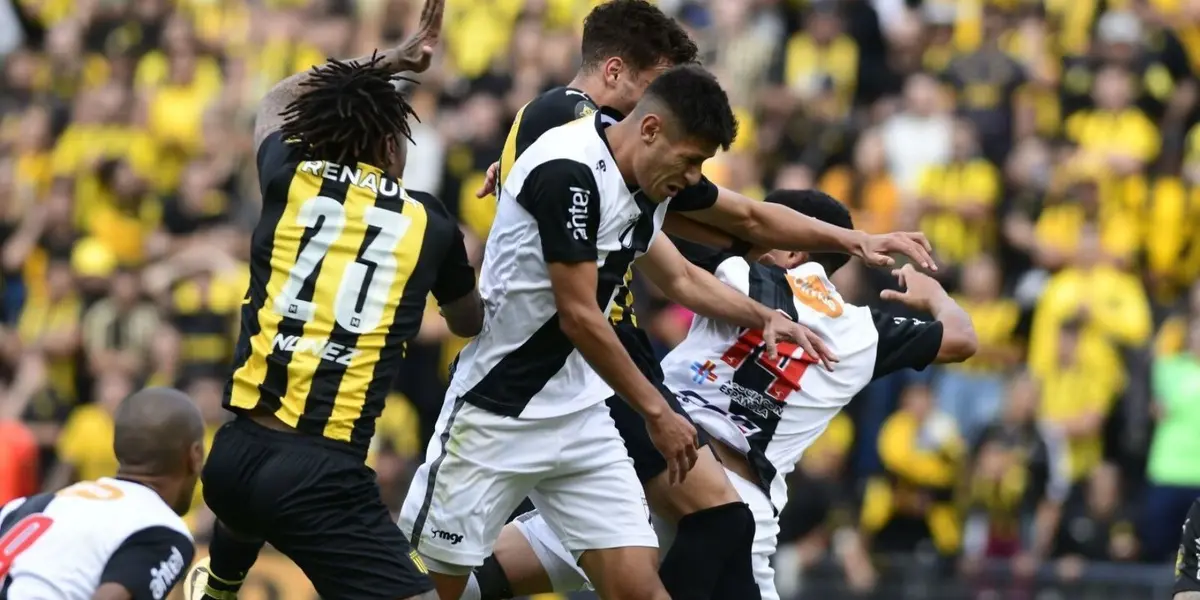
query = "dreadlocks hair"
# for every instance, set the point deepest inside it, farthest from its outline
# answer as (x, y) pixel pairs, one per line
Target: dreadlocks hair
(350, 112)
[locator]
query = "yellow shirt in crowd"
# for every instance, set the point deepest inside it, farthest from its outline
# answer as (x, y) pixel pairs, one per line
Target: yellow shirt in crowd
(995, 326)
(1071, 393)
(1119, 313)
(86, 443)
(952, 185)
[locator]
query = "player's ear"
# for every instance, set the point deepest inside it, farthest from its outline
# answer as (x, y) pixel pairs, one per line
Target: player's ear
(613, 69)
(652, 128)
(196, 458)
(795, 259)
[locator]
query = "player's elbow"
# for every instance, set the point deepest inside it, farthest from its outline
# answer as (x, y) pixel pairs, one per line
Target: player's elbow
(577, 320)
(958, 344)
(466, 328)
(464, 317)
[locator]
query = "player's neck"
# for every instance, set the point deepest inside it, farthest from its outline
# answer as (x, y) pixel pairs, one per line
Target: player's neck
(622, 140)
(165, 487)
(592, 85)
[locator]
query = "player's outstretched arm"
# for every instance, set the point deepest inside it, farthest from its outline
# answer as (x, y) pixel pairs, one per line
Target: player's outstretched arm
(412, 55)
(776, 226)
(702, 293)
(925, 294)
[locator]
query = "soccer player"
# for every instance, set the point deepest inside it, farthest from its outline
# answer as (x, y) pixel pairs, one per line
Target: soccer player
(525, 413)
(626, 44)
(1187, 563)
(120, 538)
(762, 413)
(342, 261)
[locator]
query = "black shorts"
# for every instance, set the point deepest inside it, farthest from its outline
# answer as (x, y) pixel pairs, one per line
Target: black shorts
(316, 502)
(1187, 562)
(647, 460)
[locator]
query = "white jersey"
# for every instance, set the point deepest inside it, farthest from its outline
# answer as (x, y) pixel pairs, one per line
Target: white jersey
(563, 200)
(65, 545)
(773, 410)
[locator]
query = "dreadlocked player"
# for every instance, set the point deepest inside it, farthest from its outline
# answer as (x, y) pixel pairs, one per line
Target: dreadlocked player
(342, 261)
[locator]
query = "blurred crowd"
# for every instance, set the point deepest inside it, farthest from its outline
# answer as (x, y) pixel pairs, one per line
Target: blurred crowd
(1047, 148)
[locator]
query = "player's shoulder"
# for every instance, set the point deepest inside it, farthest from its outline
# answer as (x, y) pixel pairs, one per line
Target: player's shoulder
(136, 507)
(276, 154)
(558, 106)
(431, 203)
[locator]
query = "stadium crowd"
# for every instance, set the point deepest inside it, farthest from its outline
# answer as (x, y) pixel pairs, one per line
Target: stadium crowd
(1046, 148)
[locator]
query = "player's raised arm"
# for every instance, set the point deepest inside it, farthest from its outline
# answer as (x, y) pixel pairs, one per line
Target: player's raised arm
(564, 199)
(702, 293)
(912, 343)
(411, 55)
(770, 226)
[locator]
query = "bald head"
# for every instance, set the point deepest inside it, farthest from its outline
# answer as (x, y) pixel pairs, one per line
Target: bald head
(156, 430)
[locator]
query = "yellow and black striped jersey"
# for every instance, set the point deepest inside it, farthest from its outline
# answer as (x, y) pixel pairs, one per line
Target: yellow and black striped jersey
(341, 264)
(560, 106)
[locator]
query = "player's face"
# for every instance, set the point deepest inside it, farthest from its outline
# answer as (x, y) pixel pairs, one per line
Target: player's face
(668, 161)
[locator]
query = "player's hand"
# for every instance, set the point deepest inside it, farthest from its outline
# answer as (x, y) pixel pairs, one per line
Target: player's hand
(417, 51)
(921, 290)
(489, 181)
(782, 327)
(876, 250)
(675, 438)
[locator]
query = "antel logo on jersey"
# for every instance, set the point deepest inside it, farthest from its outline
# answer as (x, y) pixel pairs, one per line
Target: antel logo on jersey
(453, 538)
(577, 222)
(164, 575)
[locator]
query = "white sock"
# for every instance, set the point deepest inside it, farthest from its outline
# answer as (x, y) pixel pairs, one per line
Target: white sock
(472, 591)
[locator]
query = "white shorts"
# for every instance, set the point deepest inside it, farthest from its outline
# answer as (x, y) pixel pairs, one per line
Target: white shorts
(566, 576)
(480, 466)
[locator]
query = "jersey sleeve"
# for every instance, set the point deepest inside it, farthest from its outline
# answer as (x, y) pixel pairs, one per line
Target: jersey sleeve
(150, 562)
(695, 197)
(564, 199)
(734, 272)
(904, 343)
(1187, 562)
(552, 109)
(705, 257)
(455, 275)
(8, 509)
(273, 154)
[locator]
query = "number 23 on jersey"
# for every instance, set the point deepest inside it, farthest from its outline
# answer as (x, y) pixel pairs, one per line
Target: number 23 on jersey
(362, 296)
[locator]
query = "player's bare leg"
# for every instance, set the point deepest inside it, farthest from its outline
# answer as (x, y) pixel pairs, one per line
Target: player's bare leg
(525, 573)
(624, 573)
(448, 587)
(714, 531)
(706, 487)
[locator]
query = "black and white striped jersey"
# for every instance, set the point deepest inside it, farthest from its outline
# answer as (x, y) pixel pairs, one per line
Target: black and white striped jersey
(66, 545)
(563, 200)
(773, 410)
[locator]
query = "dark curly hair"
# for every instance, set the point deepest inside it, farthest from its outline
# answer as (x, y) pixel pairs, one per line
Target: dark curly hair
(636, 31)
(822, 207)
(350, 112)
(696, 102)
